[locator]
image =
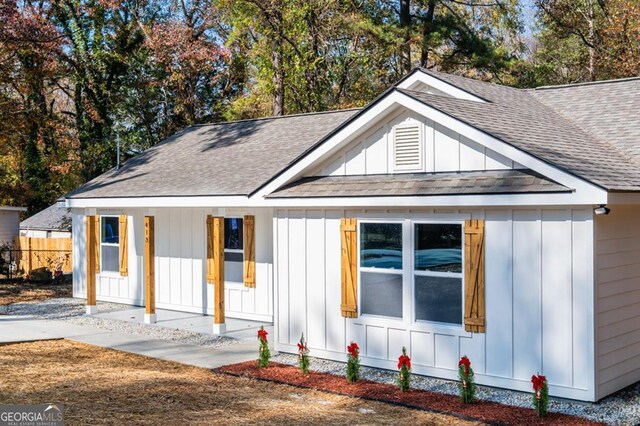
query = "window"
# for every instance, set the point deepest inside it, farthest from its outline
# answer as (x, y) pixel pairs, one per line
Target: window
(109, 243)
(433, 277)
(438, 272)
(233, 250)
(381, 269)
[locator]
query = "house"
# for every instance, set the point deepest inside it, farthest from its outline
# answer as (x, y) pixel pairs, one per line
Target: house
(9, 223)
(450, 216)
(52, 222)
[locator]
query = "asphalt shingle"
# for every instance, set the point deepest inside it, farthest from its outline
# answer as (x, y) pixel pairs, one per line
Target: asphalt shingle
(420, 184)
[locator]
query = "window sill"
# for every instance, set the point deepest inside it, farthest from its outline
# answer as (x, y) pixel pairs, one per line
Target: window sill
(110, 274)
(423, 326)
(236, 286)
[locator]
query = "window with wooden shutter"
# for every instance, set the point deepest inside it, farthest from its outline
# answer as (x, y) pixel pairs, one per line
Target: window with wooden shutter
(474, 299)
(349, 281)
(407, 147)
(249, 251)
(124, 246)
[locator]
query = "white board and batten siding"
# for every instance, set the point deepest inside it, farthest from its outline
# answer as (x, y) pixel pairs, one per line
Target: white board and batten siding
(618, 298)
(440, 150)
(180, 249)
(539, 299)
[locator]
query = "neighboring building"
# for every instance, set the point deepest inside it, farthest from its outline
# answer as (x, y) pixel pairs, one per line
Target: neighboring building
(9, 223)
(450, 216)
(52, 222)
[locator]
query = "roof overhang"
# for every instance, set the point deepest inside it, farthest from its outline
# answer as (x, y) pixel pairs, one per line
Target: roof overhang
(13, 209)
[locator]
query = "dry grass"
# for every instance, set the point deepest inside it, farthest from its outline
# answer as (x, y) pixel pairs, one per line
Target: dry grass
(20, 292)
(103, 386)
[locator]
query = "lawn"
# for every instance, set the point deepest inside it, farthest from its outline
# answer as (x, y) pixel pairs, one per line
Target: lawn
(21, 292)
(99, 386)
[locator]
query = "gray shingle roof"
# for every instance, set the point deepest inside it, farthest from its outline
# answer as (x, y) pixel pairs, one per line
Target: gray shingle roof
(217, 159)
(533, 127)
(414, 184)
(54, 218)
(608, 110)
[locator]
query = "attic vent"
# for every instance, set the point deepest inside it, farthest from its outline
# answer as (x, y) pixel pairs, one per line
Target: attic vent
(407, 147)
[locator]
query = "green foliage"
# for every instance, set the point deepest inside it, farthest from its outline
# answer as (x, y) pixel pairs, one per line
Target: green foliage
(466, 381)
(404, 373)
(303, 355)
(353, 363)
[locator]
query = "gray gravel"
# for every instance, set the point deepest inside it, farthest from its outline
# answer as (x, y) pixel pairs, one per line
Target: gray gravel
(73, 311)
(622, 408)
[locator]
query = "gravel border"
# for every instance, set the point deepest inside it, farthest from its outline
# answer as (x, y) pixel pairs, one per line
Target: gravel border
(72, 310)
(621, 408)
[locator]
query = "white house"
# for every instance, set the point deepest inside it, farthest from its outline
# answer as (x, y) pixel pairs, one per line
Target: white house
(450, 216)
(9, 223)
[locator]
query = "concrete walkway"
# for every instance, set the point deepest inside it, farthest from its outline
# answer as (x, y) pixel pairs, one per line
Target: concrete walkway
(15, 329)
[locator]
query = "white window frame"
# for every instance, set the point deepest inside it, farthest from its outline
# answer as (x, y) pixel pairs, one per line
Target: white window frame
(241, 251)
(382, 270)
(102, 270)
(415, 272)
(408, 273)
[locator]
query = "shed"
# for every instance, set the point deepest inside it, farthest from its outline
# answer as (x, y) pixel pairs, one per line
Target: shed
(450, 216)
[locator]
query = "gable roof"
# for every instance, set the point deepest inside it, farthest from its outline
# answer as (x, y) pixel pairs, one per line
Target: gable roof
(56, 217)
(227, 159)
(561, 126)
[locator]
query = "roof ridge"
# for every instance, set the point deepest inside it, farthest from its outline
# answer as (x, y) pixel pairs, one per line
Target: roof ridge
(586, 83)
(274, 117)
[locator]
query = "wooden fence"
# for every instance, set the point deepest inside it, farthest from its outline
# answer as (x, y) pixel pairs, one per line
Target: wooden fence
(50, 253)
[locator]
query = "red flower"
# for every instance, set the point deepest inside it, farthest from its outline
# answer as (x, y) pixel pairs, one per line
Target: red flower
(467, 364)
(302, 347)
(538, 382)
(262, 334)
(404, 360)
(353, 349)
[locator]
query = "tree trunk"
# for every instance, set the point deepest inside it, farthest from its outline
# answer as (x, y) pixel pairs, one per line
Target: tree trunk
(278, 65)
(592, 50)
(427, 29)
(405, 25)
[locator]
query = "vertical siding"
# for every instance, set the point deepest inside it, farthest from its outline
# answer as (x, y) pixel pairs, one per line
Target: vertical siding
(539, 293)
(180, 264)
(443, 149)
(9, 226)
(618, 298)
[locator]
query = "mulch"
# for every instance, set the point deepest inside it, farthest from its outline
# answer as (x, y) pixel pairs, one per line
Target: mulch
(484, 411)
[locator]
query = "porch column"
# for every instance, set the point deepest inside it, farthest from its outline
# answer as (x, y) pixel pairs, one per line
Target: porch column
(215, 249)
(149, 270)
(92, 255)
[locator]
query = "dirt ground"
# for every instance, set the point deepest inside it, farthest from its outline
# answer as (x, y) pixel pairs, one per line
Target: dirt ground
(20, 292)
(103, 386)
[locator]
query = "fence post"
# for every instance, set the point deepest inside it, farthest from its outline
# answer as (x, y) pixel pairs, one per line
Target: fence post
(30, 261)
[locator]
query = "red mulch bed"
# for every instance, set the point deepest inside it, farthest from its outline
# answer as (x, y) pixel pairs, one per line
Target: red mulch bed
(484, 411)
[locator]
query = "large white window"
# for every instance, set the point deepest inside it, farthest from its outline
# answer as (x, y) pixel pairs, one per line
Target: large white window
(431, 273)
(109, 244)
(233, 250)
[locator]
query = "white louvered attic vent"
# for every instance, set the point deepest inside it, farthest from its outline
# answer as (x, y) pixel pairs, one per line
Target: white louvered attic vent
(407, 147)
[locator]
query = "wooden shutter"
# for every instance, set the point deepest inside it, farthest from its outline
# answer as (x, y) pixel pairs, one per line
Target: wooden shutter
(96, 241)
(349, 268)
(249, 251)
(90, 235)
(124, 246)
(210, 266)
(474, 303)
